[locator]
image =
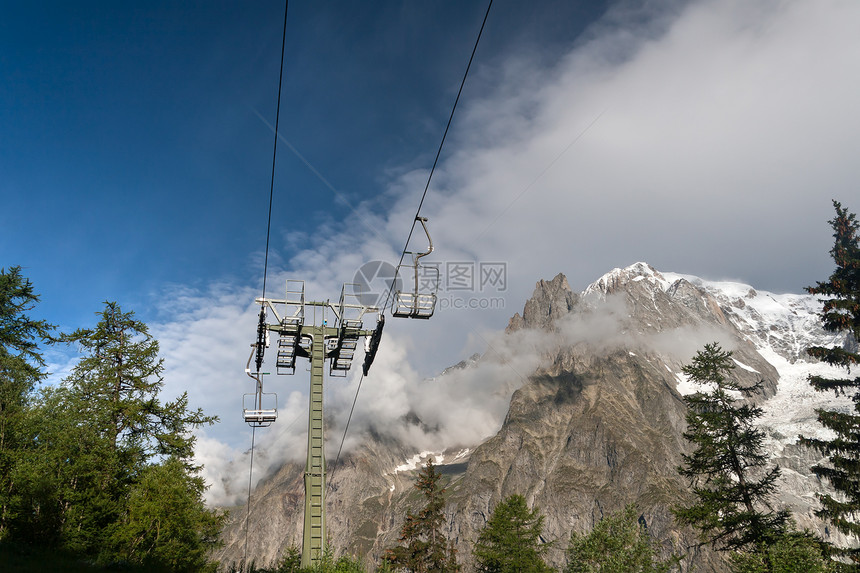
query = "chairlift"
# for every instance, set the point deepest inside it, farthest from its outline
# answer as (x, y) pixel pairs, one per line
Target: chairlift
(259, 409)
(419, 302)
(344, 347)
(288, 344)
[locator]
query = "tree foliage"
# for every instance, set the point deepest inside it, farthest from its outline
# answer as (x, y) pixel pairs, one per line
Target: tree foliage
(424, 547)
(728, 469)
(100, 466)
(21, 366)
(118, 381)
(291, 562)
(164, 522)
(510, 541)
(841, 314)
(617, 544)
(794, 552)
(123, 457)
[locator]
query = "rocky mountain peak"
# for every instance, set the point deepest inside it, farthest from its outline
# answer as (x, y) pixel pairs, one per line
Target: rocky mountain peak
(550, 301)
(618, 278)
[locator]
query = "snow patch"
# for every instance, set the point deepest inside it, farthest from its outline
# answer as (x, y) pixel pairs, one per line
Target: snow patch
(745, 367)
(420, 459)
(417, 460)
(462, 454)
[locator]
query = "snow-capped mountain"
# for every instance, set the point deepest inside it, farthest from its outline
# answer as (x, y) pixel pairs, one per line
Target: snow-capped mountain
(780, 326)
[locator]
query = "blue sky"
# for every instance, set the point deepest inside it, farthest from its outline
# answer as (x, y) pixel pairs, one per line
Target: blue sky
(132, 152)
(704, 137)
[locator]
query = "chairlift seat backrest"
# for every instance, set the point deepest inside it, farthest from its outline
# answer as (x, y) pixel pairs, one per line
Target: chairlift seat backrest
(260, 418)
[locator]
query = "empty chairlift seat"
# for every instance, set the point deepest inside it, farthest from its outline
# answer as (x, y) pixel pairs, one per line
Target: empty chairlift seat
(288, 341)
(420, 301)
(260, 409)
(344, 352)
(413, 305)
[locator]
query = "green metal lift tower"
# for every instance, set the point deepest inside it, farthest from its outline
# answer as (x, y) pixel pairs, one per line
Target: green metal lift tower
(318, 331)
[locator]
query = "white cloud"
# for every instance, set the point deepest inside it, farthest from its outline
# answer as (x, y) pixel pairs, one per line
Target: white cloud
(706, 141)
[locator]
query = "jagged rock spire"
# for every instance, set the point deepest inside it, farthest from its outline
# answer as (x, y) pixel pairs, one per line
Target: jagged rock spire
(551, 300)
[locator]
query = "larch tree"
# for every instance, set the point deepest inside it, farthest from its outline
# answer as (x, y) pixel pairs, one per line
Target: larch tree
(794, 552)
(617, 544)
(728, 470)
(424, 547)
(115, 440)
(511, 540)
(841, 314)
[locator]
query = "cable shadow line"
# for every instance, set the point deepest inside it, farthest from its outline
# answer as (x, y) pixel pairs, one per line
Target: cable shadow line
(338, 195)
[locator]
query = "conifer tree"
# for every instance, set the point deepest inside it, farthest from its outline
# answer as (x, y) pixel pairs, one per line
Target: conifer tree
(21, 365)
(617, 544)
(119, 379)
(510, 541)
(794, 552)
(841, 314)
(424, 547)
(728, 469)
(113, 441)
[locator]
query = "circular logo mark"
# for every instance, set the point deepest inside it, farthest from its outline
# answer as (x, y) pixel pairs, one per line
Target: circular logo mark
(373, 281)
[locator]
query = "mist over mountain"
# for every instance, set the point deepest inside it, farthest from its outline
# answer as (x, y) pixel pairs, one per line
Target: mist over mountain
(578, 407)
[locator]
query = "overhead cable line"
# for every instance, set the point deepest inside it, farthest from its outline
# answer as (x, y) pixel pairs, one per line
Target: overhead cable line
(439, 151)
(345, 430)
(262, 322)
(275, 148)
(417, 217)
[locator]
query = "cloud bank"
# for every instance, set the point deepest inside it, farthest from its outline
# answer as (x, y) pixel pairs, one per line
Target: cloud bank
(705, 139)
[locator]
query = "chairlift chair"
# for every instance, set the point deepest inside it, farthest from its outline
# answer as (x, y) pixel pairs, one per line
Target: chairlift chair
(259, 409)
(415, 303)
(372, 345)
(344, 349)
(263, 410)
(288, 342)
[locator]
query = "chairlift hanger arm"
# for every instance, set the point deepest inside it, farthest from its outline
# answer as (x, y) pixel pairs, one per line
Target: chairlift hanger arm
(418, 255)
(248, 365)
(423, 221)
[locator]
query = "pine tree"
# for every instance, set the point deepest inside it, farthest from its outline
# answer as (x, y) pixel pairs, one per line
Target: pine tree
(424, 547)
(728, 469)
(617, 544)
(113, 439)
(510, 541)
(21, 365)
(794, 552)
(164, 522)
(119, 379)
(841, 314)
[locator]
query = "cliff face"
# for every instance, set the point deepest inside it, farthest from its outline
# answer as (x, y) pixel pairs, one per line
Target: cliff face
(581, 440)
(597, 426)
